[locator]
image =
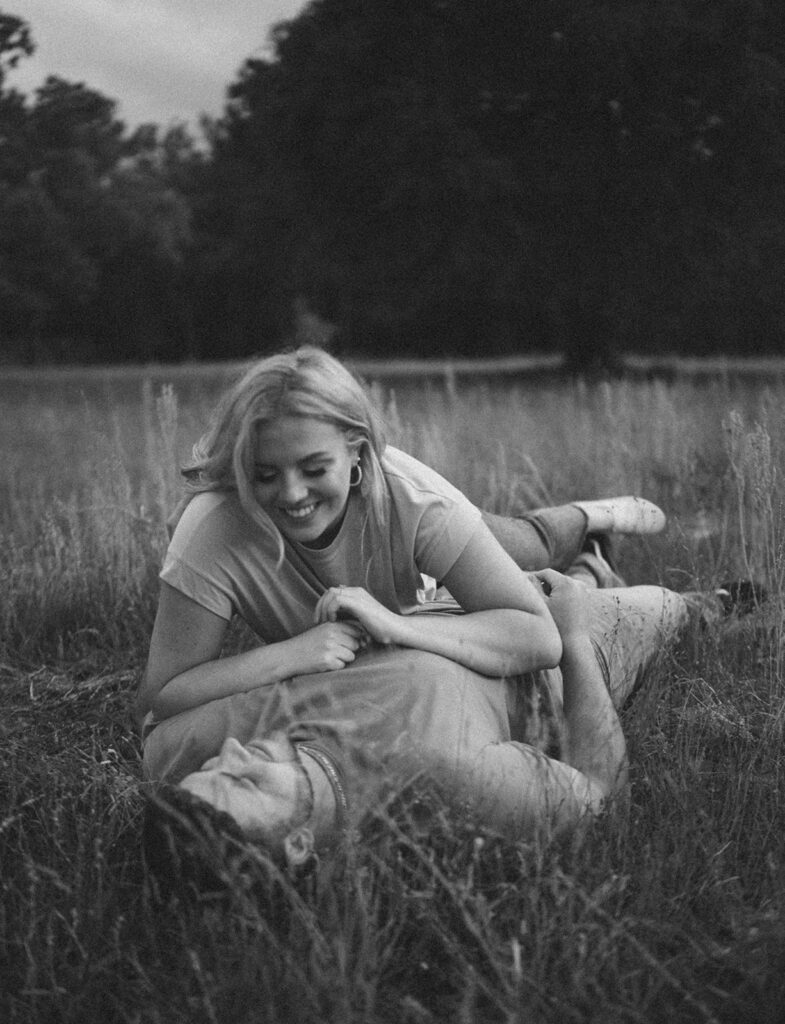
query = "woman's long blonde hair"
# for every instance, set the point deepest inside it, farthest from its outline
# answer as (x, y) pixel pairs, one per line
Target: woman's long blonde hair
(304, 382)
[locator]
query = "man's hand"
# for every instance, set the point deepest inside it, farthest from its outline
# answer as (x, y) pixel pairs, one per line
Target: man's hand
(567, 601)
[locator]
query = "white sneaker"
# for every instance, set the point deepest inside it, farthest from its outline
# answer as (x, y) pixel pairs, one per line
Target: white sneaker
(627, 514)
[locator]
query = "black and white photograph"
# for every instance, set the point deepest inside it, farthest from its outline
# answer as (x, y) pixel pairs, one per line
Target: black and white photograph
(392, 511)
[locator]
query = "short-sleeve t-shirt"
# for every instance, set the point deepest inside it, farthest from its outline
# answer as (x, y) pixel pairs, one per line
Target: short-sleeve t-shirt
(233, 565)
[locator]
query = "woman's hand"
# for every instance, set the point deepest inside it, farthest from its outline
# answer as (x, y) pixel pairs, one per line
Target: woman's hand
(567, 601)
(323, 648)
(355, 603)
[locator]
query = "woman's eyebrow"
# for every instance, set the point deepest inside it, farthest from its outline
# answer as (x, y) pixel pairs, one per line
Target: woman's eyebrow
(318, 457)
(313, 457)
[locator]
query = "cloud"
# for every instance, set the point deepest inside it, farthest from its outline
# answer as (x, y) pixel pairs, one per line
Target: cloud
(162, 60)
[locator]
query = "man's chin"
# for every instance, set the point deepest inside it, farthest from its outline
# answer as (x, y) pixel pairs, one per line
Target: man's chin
(277, 748)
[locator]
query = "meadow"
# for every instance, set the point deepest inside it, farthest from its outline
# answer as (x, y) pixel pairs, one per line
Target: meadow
(674, 913)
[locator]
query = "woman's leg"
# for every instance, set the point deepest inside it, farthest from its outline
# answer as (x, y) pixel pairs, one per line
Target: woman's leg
(549, 538)
(552, 538)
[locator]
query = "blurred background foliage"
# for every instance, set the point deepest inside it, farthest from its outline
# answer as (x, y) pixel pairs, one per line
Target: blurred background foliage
(451, 177)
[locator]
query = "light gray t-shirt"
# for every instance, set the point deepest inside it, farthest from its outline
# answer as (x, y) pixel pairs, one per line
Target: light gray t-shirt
(230, 564)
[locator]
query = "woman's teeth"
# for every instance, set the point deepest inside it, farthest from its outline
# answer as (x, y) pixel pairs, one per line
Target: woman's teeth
(300, 513)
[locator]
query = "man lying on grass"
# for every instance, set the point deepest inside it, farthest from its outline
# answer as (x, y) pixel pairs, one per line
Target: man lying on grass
(300, 762)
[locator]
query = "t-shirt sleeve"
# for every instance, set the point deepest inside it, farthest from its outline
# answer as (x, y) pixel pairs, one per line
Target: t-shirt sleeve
(183, 577)
(441, 519)
(191, 564)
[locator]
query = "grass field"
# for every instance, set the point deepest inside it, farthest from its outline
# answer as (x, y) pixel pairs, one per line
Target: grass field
(673, 915)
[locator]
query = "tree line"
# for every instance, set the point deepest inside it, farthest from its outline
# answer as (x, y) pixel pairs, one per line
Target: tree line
(452, 177)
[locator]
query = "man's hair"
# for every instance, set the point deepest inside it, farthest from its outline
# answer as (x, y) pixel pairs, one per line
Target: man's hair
(191, 848)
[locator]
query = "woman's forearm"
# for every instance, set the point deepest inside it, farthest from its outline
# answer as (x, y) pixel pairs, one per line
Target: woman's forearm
(221, 678)
(498, 642)
(325, 647)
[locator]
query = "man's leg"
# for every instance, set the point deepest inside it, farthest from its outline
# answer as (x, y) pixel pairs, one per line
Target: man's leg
(594, 566)
(630, 627)
(511, 784)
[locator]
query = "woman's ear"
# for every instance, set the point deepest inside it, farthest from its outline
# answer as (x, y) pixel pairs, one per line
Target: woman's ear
(355, 447)
(298, 848)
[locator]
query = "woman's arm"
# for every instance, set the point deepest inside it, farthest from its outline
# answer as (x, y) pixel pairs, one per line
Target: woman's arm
(507, 629)
(184, 669)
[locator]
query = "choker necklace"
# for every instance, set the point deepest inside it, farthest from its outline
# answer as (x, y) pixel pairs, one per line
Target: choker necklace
(328, 766)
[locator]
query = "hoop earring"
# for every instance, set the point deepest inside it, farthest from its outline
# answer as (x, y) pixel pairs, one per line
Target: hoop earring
(355, 479)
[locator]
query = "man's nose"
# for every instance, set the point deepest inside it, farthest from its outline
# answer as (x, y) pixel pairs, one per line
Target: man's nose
(231, 751)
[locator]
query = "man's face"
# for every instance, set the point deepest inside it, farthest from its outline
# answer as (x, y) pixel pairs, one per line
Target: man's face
(262, 785)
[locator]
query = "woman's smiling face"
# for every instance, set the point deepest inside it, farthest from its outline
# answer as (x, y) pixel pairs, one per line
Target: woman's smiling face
(301, 476)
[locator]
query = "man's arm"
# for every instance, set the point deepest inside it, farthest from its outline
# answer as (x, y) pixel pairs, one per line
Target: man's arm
(515, 788)
(595, 742)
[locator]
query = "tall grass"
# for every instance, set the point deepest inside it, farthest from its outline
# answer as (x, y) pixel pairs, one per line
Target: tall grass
(675, 914)
(85, 499)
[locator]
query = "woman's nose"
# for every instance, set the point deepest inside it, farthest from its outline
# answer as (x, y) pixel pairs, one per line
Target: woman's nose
(293, 488)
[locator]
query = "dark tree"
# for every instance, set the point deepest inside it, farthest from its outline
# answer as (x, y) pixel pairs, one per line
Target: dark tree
(15, 42)
(440, 177)
(460, 176)
(94, 235)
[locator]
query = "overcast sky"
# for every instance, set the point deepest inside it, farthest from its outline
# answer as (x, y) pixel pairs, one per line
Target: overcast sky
(162, 60)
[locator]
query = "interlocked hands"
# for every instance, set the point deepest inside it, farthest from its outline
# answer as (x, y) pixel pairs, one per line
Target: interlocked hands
(347, 620)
